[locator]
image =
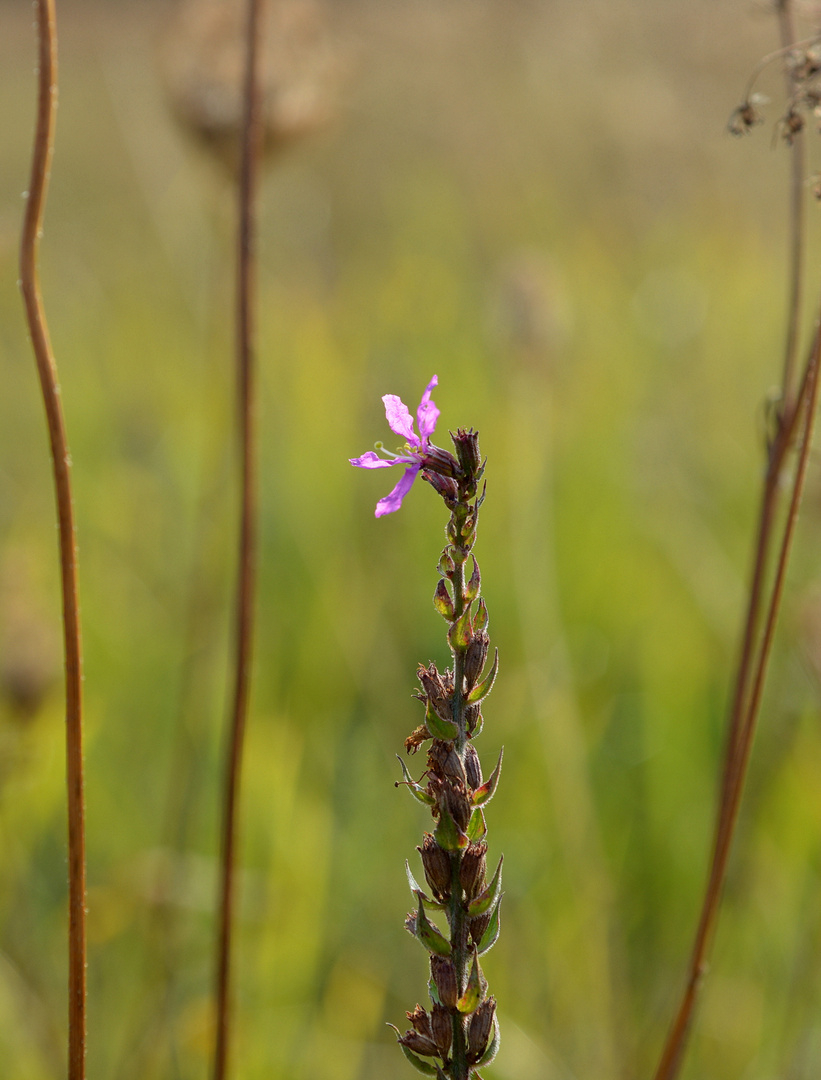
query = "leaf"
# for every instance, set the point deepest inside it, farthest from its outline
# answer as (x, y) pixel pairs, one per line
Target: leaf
(415, 789)
(482, 795)
(469, 1001)
(483, 688)
(492, 932)
(416, 889)
(476, 826)
(488, 897)
(442, 601)
(472, 587)
(481, 620)
(448, 834)
(439, 728)
(459, 633)
(426, 1067)
(430, 935)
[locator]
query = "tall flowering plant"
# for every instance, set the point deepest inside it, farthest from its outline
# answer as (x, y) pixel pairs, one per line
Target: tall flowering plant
(459, 1033)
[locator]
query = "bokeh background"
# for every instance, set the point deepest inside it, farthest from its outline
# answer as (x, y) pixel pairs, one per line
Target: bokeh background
(538, 202)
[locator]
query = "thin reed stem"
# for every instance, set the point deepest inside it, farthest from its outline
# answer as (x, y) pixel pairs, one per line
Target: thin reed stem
(61, 463)
(246, 267)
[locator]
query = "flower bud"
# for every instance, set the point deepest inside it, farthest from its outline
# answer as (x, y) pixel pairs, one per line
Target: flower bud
(473, 767)
(436, 864)
(441, 462)
(475, 656)
(479, 1029)
(467, 451)
(442, 1029)
(442, 485)
(473, 869)
(443, 974)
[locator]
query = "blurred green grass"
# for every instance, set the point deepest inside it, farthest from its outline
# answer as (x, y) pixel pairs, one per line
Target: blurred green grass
(538, 204)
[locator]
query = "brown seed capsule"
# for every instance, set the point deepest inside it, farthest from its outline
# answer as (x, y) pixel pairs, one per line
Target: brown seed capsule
(437, 692)
(473, 717)
(473, 869)
(475, 658)
(473, 767)
(441, 462)
(419, 1044)
(467, 450)
(436, 864)
(481, 1025)
(443, 974)
(454, 799)
(478, 927)
(444, 762)
(442, 1028)
(421, 1021)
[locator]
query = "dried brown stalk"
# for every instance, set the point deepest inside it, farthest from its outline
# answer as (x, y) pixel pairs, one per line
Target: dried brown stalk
(61, 462)
(775, 532)
(248, 177)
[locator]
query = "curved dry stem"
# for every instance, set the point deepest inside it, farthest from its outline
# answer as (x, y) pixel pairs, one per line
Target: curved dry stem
(250, 143)
(61, 463)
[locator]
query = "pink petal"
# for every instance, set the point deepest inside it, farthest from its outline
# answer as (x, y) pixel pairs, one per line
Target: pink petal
(400, 419)
(427, 414)
(394, 500)
(370, 460)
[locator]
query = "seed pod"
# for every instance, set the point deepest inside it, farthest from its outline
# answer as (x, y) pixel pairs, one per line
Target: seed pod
(473, 869)
(454, 799)
(478, 927)
(436, 864)
(443, 974)
(442, 1028)
(473, 767)
(475, 656)
(481, 1025)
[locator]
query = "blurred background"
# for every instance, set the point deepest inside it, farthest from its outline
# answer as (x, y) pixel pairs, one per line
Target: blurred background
(538, 202)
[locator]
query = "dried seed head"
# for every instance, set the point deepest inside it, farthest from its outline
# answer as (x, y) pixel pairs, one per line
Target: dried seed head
(442, 1027)
(419, 1044)
(444, 762)
(473, 767)
(473, 869)
(416, 738)
(436, 864)
(790, 125)
(475, 658)
(437, 690)
(443, 974)
(481, 1025)
(746, 116)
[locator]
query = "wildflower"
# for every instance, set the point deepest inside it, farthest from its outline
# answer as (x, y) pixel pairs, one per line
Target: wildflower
(417, 450)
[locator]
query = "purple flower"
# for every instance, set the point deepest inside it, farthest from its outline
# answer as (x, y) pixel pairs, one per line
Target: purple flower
(416, 446)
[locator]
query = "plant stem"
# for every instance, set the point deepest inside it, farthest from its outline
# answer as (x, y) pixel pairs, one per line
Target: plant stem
(251, 129)
(61, 463)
